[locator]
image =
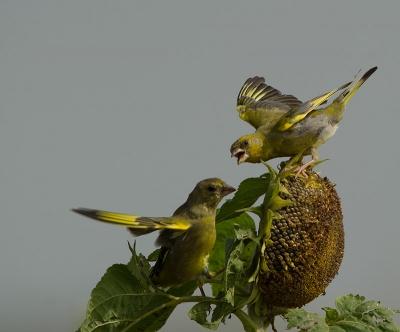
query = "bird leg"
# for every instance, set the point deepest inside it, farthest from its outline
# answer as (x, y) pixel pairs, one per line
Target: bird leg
(298, 170)
(301, 169)
(210, 275)
(202, 291)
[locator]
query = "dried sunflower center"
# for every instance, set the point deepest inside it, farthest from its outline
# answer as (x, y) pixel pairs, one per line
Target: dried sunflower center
(307, 243)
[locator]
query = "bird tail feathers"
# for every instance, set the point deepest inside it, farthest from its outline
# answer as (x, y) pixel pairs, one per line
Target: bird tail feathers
(347, 94)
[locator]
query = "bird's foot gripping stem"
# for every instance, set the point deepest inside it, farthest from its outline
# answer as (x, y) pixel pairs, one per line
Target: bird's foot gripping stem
(209, 275)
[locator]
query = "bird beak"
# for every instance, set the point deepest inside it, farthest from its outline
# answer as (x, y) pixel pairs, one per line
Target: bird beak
(226, 190)
(240, 154)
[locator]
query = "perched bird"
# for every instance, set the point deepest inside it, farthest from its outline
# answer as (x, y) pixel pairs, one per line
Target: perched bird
(186, 238)
(284, 125)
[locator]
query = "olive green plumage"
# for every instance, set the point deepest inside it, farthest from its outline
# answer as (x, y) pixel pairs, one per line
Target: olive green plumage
(284, 125)
(186, 238)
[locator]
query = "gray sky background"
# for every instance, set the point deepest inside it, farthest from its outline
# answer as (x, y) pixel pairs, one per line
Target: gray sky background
(126, 105)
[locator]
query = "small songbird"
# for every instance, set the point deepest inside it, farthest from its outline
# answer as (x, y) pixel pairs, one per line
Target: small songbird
(186, 238)
(284, 125)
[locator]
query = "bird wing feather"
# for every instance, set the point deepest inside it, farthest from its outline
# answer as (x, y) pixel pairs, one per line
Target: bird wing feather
(298, 113)
(259, 103)
(255, 90)
(138, 222)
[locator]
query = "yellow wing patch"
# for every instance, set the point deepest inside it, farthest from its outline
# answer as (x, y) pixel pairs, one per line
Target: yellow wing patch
(299, 113)
(256, 94)
(132, 221)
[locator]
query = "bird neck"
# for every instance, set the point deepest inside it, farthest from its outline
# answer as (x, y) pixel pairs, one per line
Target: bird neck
(257, 146)
(335, 111)
(196, 210)
(201, 211)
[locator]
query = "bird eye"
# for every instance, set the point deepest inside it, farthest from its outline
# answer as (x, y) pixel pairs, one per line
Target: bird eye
(246, 142)
(211, 188)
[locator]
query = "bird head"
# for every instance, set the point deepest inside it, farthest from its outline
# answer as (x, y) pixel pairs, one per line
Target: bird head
(208, 193)
(248, 148)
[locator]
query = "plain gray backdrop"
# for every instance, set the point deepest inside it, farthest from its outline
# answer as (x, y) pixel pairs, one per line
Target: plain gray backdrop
(126, 105)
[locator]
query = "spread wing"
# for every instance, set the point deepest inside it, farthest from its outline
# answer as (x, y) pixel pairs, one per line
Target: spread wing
(138, 225)
(259, 103)
(171, 228)
(299, 112)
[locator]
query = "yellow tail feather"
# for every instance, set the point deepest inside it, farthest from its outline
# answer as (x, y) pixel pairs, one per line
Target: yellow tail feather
(347, 94)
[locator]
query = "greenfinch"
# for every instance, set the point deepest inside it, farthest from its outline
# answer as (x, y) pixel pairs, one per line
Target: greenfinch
(186, 238)
(284, 125)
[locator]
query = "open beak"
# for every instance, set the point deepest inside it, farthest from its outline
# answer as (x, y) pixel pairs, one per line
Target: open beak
(240, 154)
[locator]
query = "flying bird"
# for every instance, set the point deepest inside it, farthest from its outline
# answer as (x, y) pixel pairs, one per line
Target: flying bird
(284, 125)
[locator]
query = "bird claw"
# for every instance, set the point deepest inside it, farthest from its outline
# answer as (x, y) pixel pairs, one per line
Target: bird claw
(301, 169)
(298, 170)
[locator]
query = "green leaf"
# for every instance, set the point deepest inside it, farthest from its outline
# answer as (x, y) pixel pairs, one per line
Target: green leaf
(353, 314)
(248, 255)
(331, 315)
(126, 300)
(249, 324)
(258, 210)
(265, 225)
(271, 171)
(139, 266)
(154, 255)
(112, 308)
(249, 191)
(316, 163)
(200, 311)
(287, 171)
(222, 310)
(226, 230)
(358, 315)
(185, 289)
(309, 321)
(243, 232)
(272, 191)
(241, 264)
(279, 203)
(232, 272)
